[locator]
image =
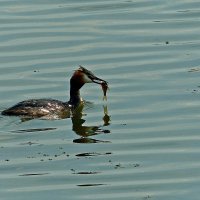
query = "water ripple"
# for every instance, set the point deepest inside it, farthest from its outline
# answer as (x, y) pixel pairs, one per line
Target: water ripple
(148, 52)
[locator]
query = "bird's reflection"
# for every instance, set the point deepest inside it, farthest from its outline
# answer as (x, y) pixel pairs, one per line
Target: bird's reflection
(85, 132)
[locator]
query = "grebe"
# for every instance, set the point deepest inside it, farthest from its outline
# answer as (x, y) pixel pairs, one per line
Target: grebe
(49, 108)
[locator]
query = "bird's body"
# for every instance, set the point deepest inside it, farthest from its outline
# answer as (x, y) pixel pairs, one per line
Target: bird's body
(38, 108)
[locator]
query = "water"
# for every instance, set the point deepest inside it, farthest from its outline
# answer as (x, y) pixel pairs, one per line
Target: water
(144, 142)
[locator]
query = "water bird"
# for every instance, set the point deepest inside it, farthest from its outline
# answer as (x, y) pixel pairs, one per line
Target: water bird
(51, 108)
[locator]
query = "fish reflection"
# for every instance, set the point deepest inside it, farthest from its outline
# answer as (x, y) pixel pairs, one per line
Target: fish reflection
(86, 131)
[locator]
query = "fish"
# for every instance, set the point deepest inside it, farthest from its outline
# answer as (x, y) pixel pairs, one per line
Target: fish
(104, 86)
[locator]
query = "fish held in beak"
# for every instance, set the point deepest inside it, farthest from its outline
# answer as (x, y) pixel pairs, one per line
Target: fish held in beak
(104, 86)
(103, 83)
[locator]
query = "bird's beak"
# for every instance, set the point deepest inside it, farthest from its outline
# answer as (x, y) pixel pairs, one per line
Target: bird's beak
(96, 79)
(89, 77)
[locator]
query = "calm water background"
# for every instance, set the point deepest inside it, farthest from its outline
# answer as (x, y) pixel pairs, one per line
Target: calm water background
(149, 145)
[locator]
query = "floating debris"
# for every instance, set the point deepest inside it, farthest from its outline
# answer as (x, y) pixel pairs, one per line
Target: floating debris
(91, 185)
(194, 70)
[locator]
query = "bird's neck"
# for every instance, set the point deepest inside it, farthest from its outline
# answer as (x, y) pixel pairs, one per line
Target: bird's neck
(75, 97)
(75, 85)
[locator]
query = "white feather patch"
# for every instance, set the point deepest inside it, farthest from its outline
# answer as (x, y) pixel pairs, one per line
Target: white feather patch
(86, 79)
